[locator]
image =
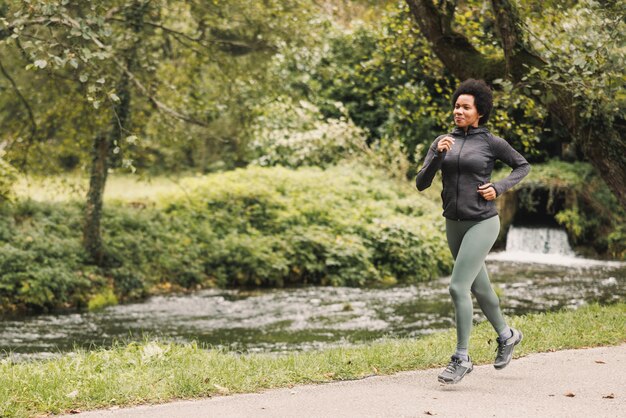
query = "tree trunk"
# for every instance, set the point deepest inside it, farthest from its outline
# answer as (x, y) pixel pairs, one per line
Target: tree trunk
(603, 146)
(92, 238)
(454, 50)
(100, 163)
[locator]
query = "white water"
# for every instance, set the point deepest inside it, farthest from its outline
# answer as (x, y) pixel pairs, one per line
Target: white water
(544, 246)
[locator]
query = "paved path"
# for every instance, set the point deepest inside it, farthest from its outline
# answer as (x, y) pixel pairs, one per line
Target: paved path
(572, 383)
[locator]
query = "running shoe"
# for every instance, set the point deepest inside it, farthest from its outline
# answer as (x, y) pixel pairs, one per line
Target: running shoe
(455, 371)
(505, 349)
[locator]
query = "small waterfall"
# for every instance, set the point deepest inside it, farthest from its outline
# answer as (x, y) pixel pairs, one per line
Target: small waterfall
(544, 246)
(538, 241)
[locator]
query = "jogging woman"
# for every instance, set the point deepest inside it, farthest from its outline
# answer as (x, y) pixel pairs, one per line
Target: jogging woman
(466, 158)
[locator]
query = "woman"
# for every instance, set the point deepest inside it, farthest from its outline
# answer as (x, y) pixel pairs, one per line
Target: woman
(466, 158)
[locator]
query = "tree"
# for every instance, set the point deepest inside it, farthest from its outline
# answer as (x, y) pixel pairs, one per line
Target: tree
(110, 52)
(570, 90)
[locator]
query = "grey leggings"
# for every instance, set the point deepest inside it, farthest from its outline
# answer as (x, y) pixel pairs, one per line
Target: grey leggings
(470, 242)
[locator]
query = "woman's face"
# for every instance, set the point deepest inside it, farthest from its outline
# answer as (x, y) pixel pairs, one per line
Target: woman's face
(465, 112)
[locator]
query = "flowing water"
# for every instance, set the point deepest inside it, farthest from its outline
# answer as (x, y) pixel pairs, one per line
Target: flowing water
(318, 317)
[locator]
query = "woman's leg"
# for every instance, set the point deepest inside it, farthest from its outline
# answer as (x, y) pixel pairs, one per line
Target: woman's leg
(476, 239)
(488, 300)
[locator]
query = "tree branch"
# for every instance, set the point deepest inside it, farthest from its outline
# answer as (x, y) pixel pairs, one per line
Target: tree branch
(516, 50)
(72, 23)
(453, 49)
(31, 116)
(155, 102)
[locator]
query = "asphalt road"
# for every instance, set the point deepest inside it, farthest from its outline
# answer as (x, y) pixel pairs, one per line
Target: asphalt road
(571, 383)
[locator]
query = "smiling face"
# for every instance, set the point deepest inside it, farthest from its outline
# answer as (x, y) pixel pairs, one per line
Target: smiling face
(465, 112)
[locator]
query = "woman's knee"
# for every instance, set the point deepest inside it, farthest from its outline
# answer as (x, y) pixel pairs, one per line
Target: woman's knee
(458, 291)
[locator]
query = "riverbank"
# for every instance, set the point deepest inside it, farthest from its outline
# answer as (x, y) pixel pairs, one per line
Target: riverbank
(153, 372)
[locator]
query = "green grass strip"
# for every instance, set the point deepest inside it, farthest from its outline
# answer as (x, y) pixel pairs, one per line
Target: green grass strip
(153, 372)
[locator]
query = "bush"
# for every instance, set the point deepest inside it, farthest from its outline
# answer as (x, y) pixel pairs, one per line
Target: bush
(349, 225)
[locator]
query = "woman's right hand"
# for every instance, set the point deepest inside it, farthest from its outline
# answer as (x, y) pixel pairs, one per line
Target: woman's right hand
(445, 144)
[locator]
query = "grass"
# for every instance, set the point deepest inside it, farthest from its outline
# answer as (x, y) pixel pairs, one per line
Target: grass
(153, 372)
(119, 187)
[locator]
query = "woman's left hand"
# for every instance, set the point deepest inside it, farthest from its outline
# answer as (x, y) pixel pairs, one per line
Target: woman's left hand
(487, 191)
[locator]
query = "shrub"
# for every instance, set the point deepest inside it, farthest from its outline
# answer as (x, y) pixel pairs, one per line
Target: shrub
(348, 225)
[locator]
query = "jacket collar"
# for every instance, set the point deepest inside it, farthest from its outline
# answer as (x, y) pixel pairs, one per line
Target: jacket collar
(470, 131)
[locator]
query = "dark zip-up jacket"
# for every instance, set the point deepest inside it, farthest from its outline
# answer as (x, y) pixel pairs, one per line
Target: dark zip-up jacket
(466, 166)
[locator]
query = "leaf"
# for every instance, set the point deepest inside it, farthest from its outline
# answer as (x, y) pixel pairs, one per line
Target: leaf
(600, 362)
(41, 63)
(429, 413)
(221, 389)
(609, 396)
(569, 394)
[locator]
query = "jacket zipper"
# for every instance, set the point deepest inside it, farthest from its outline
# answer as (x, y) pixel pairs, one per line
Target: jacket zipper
(458, 177)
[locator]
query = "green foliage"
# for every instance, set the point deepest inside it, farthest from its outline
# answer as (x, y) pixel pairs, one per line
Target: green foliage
(295, 135)
(40, 262)
(573, 221)
(102, 300)
(278, 226)
(8, 175)
(189, 60)
(349, 225)
(584, 48)
(395, 88)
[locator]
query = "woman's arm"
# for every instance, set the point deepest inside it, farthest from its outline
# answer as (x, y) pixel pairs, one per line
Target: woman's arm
(432, 163)
(506, 153)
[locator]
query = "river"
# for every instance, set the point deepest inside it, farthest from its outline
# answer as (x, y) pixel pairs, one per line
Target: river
(311, 318)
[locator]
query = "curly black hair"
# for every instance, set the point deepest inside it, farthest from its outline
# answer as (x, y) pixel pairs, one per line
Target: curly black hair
(483, 97)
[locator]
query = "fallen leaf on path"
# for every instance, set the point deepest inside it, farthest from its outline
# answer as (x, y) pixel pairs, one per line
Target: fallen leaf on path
(429, 413)
(221, 389)
(600, 362)
(569, 394)
(551, 395)
(609, 396)
(75, 411)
